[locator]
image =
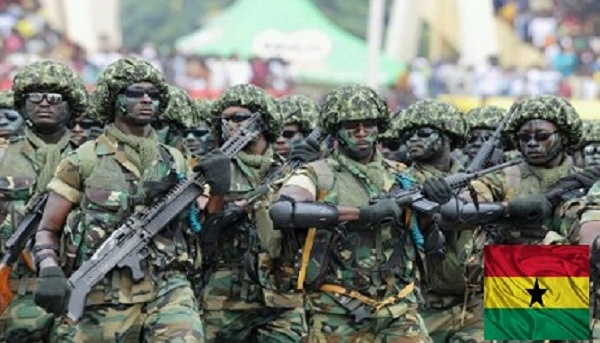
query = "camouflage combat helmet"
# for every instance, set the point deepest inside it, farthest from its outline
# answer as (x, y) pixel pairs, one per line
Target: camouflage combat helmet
(121, 74)
(181, 108)
(254, 99)
(437, 114)
(591, 133)
(353, 102)
(6, 99)
(551, 108)
(51, 76)
(203, 107)
(300, 110)
(486, 117)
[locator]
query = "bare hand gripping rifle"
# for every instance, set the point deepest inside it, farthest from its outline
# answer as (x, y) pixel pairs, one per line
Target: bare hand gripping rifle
(127, 245)
(15, 246)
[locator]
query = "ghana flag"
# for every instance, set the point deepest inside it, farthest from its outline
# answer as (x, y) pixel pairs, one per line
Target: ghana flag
(536, 292)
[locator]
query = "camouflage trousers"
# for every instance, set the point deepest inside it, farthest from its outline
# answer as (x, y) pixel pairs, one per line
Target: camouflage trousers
(266, 324)
(449, 321)
(23, 321)
(339, 328)
(172, 318)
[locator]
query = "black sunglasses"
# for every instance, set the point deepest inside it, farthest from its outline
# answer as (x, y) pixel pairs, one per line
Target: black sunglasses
(238, 117)
(423, 132)
(288, 134)
(136, 93)
(538, 136)
(479, 137)
(196, 132)
(84, 124)
(51, 98)
(354, 124)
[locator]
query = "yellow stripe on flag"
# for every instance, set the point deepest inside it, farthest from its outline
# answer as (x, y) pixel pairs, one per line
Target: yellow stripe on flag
(561, 292)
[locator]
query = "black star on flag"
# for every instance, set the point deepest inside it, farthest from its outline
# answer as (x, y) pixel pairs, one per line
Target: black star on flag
(536, 294)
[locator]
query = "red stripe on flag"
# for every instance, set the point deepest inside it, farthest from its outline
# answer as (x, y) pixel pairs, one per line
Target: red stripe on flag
(536, 260)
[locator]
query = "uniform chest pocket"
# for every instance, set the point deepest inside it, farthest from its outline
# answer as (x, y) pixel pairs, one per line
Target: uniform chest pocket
(103, 210)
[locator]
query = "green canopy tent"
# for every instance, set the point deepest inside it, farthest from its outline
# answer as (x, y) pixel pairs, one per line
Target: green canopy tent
(319, 52)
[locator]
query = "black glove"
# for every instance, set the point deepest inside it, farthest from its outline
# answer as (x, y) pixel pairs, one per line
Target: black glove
(530, 208)
(306, 151)
(52, 290)
(437, 190)
(216, 168)
(156, 189)
(387, 210)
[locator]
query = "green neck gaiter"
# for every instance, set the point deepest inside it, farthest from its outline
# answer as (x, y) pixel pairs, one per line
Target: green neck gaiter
(141, 151)
(260, 164)
(48, 157)
(372, 172)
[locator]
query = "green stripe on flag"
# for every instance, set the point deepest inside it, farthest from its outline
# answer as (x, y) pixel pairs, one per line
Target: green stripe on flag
(536, 324)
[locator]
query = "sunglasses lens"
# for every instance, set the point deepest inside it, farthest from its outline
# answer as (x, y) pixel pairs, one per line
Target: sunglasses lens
(288, 134)
(54, 98)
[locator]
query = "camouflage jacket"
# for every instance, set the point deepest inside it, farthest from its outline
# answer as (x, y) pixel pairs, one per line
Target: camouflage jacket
(229, 285)
(375, 260)
(444, 274)
(107, 187)
(19, 170)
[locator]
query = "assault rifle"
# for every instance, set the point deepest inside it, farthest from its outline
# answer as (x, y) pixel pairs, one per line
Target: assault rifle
(15, 246)
(489, 153)
(456, 181)
(231, 215)
(127, 246)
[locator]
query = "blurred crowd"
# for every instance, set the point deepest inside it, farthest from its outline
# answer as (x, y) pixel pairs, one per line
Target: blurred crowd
(27, 36)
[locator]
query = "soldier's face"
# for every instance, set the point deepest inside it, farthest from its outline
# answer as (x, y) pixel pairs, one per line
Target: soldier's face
(10, 122)
(232, 118)
(138, 104)
(81, 130)
(591, 155)
(199, 140)
(47, 111)
(540, 142)
(291, 134)
(358, 137)
(424, 143)
(476, 139)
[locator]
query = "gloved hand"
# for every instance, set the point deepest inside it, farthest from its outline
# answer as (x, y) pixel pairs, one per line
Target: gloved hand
(533, 207)
(157, 189)
(437, 190)
(386, 210)
(52, 290)
(306, 151)
(216, 168)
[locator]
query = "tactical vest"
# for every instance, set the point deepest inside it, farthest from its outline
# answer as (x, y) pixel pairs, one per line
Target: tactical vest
(18, 175)
(111, 193)
(373, 262)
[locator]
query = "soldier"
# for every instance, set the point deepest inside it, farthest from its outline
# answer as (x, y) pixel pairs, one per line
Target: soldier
(544, 128)
(482, 122)
(84, 129)
(359, 274)
(178, 114)
(236, 306)
(47, 94)
(93, 190)
(591, 145)
(432, 130)
(299, 114)
(10, 120)
(199, 138)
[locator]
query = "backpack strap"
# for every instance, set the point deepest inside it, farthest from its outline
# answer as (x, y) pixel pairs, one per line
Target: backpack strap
(177, 156)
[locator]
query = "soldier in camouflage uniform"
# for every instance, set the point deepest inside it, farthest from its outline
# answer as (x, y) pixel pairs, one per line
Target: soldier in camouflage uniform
(239, 302)
(590, 145)
(92, 191)
(299, 114)
(11, 120)
(545, 128)
(180, 112)
(199, 138)
(47, 94)
(432, 130)
(482, 122)
(83, 129)
(359, 273)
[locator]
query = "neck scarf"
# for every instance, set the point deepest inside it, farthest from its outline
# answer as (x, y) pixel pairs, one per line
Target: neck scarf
(48, 157)
(141, 151)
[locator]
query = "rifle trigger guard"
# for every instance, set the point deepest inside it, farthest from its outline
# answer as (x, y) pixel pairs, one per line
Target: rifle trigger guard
(133, 264)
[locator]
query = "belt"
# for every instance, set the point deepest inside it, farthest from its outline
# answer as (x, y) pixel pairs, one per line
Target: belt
(375, 304)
